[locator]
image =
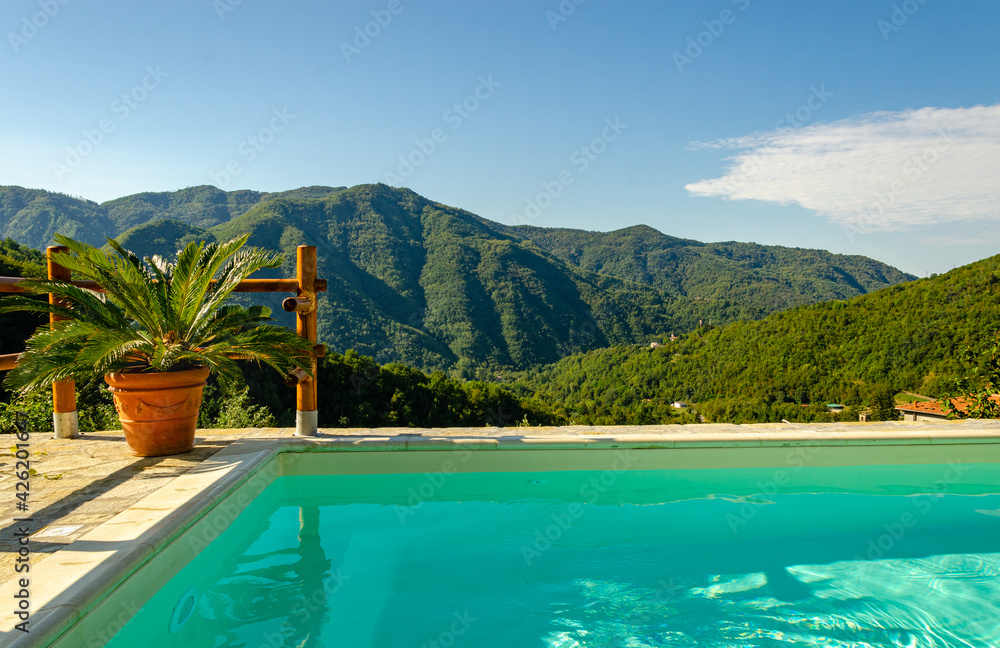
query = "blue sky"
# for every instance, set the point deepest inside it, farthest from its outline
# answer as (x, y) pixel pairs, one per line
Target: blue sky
(859, 126)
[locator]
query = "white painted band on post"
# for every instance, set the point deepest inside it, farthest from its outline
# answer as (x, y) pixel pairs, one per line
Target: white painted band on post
(306, 423)
(66, 425)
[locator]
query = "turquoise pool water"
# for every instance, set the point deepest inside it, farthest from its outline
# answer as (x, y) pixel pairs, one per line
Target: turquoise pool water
(732, 558)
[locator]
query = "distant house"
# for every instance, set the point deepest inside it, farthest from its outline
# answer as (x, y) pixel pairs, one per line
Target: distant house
(932, 410)
(835, 408)
(653, 345)
(679, 404)
(922, 411)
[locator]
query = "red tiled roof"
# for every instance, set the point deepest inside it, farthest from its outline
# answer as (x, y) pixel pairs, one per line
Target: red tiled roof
(934, 408)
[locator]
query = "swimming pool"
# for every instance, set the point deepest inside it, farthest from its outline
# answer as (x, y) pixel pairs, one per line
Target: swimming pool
(886, 544)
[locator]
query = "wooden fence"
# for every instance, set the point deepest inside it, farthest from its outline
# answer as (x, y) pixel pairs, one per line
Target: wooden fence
(305, 285)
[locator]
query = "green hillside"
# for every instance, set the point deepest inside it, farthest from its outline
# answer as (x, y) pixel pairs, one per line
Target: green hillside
(740, 280)
(422, 283)
(202, 207)
(908, 337)
(163, 237)
(415, 281)
(32, 216)
(354, 391)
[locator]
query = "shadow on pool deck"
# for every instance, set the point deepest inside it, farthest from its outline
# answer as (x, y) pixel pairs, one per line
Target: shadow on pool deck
(81, 483)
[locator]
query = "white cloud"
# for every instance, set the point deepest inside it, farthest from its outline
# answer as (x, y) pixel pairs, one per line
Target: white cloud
(886, 171)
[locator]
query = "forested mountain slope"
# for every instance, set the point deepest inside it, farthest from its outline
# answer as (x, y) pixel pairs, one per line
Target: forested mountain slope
(430, 285)
(416, 281)
(32, 216)
(202, 207)
(744, 280)
(907, 337)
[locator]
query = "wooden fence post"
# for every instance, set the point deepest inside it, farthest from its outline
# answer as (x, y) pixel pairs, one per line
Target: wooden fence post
(65, 421)
(306, 421)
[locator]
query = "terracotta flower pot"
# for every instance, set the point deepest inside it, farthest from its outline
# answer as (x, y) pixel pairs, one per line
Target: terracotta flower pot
(158, 411)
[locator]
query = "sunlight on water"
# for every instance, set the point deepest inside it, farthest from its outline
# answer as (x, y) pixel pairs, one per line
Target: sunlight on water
(364, 564)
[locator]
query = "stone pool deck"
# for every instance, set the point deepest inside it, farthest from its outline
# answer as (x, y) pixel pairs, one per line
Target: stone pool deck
(82, 483)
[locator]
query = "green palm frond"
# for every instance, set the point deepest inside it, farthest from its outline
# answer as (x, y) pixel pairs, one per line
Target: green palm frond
(153, 315)
(72, 303)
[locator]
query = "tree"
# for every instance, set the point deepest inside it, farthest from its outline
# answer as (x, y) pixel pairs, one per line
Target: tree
(883, 405)
(977, 390)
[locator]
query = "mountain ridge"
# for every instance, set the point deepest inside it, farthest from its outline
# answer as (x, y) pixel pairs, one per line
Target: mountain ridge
(417, 281)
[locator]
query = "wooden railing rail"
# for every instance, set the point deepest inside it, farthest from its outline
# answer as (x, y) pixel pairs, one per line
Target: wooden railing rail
(305, 286)
(13, 285)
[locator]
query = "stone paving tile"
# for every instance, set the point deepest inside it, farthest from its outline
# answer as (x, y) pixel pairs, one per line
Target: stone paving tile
(84, 482)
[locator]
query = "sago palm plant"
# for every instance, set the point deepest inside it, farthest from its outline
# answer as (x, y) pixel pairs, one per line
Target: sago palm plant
(152, 316)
